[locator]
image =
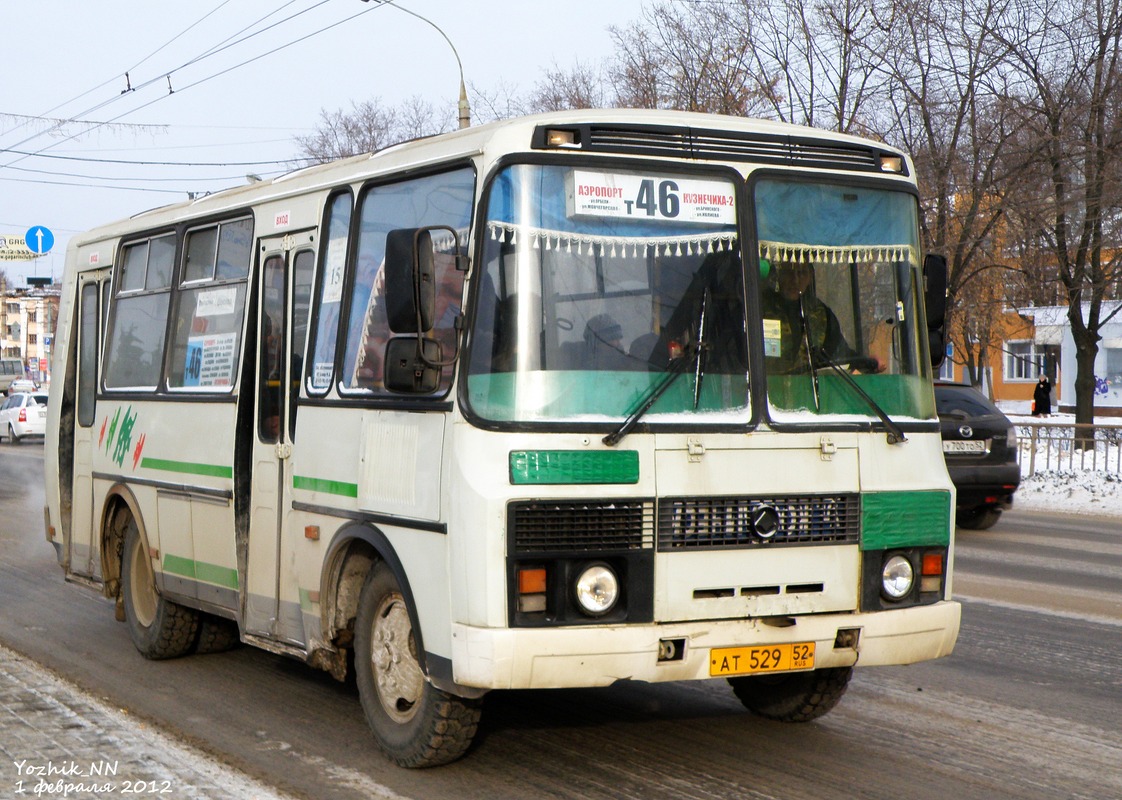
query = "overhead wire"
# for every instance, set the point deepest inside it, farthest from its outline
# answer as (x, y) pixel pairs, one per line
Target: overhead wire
(226, 44)
(93, 186)
(214, 50)
(179, 35)
(132, 162)
(142, 179)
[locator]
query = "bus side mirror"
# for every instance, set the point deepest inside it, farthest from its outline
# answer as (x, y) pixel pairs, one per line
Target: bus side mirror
(935, 304)
(405, 370)
(410, 280)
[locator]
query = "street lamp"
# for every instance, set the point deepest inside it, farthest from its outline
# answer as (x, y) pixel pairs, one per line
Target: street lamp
(464, 108)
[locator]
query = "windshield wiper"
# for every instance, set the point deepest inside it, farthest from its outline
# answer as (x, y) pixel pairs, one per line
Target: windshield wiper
(677, 367)
(809, 352)
(702, 345)
(895, 432)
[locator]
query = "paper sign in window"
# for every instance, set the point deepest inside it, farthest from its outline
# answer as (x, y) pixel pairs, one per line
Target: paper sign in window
(210, 360)
(216, 302)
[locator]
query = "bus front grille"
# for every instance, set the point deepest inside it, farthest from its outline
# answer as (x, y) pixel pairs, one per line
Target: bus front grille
(723, 145)
(549, 527)
(715, 522)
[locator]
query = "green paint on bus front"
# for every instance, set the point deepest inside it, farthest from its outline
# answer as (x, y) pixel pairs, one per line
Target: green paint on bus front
(573, 467)
(905, 519)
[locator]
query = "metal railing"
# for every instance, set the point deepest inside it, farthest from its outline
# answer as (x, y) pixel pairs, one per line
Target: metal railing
(1063, 446)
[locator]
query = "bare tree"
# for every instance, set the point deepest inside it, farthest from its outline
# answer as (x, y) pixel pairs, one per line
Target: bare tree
(692, 57)
(1065, 82)
(583, 85)
(370, 126)
(937, 105)
(815, 63)
(501, 101)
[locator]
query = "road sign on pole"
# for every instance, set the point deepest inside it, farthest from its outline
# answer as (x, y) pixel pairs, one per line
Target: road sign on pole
(39, 240)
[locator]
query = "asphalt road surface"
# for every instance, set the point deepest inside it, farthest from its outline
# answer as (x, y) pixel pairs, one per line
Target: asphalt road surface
(1029, 706)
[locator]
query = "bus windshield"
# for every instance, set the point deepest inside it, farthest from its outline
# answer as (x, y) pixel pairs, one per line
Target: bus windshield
(839, 267)
(600, 284)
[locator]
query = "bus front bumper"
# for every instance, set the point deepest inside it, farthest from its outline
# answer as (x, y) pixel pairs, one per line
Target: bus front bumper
(550, 658)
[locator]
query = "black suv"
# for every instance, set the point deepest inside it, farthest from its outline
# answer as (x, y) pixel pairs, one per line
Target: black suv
(980, 448)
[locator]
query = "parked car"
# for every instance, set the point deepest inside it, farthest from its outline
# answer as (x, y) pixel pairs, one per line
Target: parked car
(23, 414)
(21, 385)
(980, 448)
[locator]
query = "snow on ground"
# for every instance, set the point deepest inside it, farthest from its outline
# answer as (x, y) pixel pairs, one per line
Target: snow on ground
(1072, 491)
(1099, 494)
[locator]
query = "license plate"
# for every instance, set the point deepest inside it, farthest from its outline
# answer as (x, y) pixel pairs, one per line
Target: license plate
(728, 661)
(972, 446)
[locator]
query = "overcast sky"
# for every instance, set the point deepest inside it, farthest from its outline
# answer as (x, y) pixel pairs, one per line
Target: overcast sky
(67, 60)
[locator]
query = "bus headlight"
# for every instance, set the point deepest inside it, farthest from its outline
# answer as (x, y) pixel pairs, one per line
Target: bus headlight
(897, 578)
(597, 589)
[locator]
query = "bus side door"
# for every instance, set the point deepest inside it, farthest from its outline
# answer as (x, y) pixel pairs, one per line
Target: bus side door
(272, 605)
(93, 304)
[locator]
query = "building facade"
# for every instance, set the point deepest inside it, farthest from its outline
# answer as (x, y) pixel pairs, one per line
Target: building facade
(27, 324)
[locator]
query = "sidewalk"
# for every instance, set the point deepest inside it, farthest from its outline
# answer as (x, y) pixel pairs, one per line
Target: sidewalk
(58, 741)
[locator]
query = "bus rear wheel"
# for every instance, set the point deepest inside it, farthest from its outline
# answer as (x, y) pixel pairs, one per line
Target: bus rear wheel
(793, 696)
(158, 627)
(414, 723)
(216, 634)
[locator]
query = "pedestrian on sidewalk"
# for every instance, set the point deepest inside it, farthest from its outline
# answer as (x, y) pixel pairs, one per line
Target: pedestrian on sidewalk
(1042, 397)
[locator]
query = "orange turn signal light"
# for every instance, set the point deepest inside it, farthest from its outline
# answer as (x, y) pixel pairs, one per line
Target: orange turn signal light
(531, 581)
(932, 564)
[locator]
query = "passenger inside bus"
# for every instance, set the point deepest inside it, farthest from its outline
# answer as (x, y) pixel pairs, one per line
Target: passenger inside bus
(603, 345)
(796, 319)
(718, 288)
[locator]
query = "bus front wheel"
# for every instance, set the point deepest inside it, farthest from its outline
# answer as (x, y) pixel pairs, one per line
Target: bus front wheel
(793, 696)
(414, 723)
(158, 627)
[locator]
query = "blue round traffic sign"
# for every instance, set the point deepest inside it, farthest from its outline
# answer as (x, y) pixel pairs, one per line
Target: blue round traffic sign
(39, 240)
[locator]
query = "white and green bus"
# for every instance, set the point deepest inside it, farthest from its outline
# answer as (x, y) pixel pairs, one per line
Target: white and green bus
(528, 405)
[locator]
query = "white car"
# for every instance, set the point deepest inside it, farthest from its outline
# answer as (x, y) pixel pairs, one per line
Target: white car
(22, 385)
(23, 414)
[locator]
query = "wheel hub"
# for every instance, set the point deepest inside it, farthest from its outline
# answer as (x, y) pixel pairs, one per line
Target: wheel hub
(393, 657)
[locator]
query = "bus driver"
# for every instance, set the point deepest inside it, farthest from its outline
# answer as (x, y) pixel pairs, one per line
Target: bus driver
(797, 320)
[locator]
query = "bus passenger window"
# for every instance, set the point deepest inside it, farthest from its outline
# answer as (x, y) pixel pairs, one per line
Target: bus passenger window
(330, 297)
(445, 200)
(206, 342)
(135, 340)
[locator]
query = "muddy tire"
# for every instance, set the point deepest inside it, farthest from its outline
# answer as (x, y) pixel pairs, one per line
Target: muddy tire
(414, 723)
(794, 696)
(216, 634)
(158, 627)
(978, 519)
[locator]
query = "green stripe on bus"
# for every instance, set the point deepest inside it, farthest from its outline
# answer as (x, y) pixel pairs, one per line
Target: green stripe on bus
(905, 519)
(201, 571)
(188, 467)
(574, 466)
(341, 488)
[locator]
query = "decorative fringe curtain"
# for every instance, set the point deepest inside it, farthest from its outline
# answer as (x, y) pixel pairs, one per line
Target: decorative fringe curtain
(848, 254)
(581, 243)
